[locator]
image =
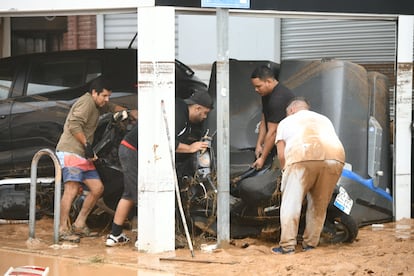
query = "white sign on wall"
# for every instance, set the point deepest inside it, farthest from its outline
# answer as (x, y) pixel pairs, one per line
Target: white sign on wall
(236, 4)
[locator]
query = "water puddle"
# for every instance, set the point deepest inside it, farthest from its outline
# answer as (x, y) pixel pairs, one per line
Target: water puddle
(59, 266)
(401, 229)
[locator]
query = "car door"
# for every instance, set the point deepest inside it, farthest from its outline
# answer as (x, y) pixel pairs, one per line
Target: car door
(5, 153)
(7, 74)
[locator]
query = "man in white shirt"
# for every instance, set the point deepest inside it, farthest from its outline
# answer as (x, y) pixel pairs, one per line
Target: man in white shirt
(312, 158)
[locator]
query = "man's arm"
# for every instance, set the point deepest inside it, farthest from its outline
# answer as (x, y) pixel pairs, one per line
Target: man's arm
(118, 108)
(114, 108)
(280, 145)
(268, 145)
(196, 146)
(260, 137)
(80, 137)
(78, 118)
(89, 152)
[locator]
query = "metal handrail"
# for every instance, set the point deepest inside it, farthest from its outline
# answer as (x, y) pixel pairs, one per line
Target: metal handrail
(33, 181)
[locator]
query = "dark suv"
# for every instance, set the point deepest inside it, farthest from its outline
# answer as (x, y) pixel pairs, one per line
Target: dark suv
(37, 91)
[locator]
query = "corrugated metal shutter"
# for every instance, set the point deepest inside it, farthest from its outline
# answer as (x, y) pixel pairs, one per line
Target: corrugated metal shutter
(360, 41)
(369, 43)
(119, 30)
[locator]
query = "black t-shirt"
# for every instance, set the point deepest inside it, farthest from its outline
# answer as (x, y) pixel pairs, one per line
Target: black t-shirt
(182, 121)
(185, 131)
(274, 105)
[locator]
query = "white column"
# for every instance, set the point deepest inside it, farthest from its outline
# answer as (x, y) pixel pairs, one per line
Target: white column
(277, 23)
(100, 31)
(403, 120)
(223, 129)
(156, 71)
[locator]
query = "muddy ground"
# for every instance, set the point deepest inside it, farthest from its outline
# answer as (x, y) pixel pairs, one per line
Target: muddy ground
(384, 249)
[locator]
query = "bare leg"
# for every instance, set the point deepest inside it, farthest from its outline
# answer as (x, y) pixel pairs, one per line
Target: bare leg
(69, 194)
(122, 210)
(95, 191)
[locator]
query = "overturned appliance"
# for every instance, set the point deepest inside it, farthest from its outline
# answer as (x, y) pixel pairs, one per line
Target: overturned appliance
(357, 103)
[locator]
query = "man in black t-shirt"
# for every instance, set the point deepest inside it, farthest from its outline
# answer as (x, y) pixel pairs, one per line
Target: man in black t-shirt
(275, 99)
(189, 117)
(128, 156)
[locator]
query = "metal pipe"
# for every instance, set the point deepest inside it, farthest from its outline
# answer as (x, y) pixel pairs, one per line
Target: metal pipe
(33, 182)
(177, 188)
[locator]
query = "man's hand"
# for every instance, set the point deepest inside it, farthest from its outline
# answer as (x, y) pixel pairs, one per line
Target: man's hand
(89, 153)
(198, 146)
(258, 164)
(258, 151)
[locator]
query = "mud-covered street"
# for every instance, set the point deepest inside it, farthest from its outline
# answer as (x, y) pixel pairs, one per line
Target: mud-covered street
(382, 249)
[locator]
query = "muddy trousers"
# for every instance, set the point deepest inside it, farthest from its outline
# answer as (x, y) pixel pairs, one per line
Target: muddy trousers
(316, 180)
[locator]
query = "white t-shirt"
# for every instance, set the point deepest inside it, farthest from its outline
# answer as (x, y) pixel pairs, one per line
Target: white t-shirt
(309, 136)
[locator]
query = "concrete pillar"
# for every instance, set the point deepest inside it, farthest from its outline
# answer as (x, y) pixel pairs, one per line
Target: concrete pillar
(156, 79)
(223, 128)
(403, 120)
(100, 32)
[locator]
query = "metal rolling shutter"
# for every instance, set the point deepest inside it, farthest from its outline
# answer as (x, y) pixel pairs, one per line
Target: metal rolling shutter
(119, 30)
(359, 41)
(369, 43)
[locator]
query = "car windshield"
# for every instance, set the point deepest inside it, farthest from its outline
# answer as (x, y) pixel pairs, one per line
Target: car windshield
(59, 75)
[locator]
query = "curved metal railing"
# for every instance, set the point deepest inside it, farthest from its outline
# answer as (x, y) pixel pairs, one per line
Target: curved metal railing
(33, 182)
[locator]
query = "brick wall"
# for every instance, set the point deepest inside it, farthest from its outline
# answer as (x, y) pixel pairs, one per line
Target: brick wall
(388, 69)
(81, 33)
